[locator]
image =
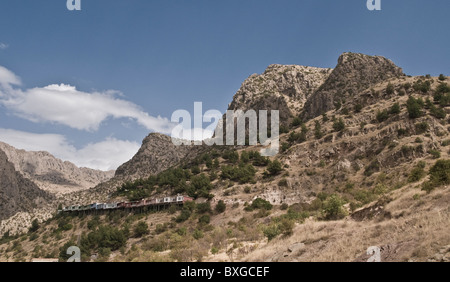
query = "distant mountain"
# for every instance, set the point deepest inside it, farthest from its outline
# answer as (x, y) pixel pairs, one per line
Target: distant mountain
(52, 174)
(18, 194)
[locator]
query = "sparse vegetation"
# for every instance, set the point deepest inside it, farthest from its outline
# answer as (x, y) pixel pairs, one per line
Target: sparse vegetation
(373, 173)
(395, 109)
(422, 127)
(422, 86)
(418, 172)
(274, 168)
(339, 125)
(390, 89)
(358, 108)
(220, 207)
(244, 173)
(414, 107)
(259, 203)
(439, 175)
(296, 122)
(333, 208)
(382, 116)
(141, 229)
(318, 130)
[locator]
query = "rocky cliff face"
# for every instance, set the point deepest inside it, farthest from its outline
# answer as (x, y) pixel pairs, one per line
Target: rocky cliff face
(52, 174)
(353, 74)
(291, 89)
(156, 154)
(281, 87)
(18, 194)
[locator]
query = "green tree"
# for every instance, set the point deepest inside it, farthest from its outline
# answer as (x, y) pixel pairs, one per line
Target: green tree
(274, 167)
(271, 231)
(390, 89)
(339, 125)
(204, 219)
(414, 107)
(221, 207)
(318, 130)
(231, 156)
(333, 208)
(200, 186)
(34, 225)
(141, 229)
(395, 109)
(259, 203)
(440, 172)
(382, 116)
(184, 215)
(296, 122)
(204, 207)
(417, 172)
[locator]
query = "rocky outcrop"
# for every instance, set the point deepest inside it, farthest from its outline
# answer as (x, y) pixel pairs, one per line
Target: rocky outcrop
(52, 174)
(18, 194)
(353, 74)
(156, 154)
(281, 87)
(442, 256)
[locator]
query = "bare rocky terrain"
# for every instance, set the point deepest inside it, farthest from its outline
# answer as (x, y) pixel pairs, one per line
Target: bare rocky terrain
(34, 183)
(18, 194)
(280, 87)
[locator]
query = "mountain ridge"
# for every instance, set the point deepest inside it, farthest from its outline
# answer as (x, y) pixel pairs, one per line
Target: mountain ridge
(17, 193)
(360, 174)
(53, 174)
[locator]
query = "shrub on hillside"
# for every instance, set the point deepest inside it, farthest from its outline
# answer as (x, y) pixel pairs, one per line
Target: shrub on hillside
(221, 207)
(439, 175)
(339, 125)
(390, 89)
(274, 167)
(382, 116)
(259, 204)
(414, 107)
(333, 208)
(141, 229)
(296, 122)
(422, 86)
(417, 172)
(395, 109)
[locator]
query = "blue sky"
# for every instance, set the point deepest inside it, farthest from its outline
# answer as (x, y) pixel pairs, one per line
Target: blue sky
(154, 57)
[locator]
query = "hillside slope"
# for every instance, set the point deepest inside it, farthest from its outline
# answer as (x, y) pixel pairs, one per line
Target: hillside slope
(18, 194)
(371, 171)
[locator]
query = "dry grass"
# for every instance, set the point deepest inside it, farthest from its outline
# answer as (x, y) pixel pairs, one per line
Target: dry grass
(425, 229)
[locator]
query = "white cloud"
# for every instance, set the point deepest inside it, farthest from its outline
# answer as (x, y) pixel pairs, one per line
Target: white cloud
(8, 78)
(64, 104)
(3, 46)
(104, 155)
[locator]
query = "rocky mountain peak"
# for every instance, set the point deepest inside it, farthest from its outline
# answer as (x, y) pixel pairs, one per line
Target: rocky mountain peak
(353, 74)
(281, 87)
(156, 154)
